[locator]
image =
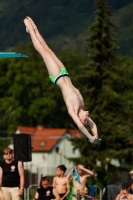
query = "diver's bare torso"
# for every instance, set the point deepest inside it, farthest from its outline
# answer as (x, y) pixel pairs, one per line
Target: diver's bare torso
(71, 95)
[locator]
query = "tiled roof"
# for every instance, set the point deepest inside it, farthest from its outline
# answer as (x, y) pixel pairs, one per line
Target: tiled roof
(44, 139)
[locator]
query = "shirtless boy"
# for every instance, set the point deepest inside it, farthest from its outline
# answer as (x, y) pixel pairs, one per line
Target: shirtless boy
(61, 183)
(58, 75)
(83, 178)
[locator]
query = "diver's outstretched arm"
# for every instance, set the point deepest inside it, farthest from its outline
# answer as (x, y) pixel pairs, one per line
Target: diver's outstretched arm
(92, 126)
(80, 125)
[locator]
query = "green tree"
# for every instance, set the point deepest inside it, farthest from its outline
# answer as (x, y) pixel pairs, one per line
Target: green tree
(107, 89)
(27, 96)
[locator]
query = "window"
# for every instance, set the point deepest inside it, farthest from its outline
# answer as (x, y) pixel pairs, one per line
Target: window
(74, 150)
(57, 149)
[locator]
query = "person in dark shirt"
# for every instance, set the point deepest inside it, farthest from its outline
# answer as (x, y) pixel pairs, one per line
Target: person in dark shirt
(45, 191)
(11, 176)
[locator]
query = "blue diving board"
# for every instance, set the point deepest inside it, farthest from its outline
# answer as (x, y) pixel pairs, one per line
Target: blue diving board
(12, 55)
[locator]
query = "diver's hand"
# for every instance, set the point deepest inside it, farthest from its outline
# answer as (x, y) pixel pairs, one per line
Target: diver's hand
(95, 140)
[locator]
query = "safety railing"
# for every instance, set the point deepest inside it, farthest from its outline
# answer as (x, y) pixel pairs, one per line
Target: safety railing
(32, 189)
(98, 191)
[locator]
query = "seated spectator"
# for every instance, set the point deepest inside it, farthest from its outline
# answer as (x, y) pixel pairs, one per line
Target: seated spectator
(124, 193)
(110, 192)
(46, 191)
(131, 187)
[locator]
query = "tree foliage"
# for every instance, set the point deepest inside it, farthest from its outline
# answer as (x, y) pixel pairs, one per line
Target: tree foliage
(107, 88)
(27, 96)
(62, 22)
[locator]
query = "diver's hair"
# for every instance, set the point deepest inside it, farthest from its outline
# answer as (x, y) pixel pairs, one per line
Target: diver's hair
(75, 125)
(43, 178)
(62, 168)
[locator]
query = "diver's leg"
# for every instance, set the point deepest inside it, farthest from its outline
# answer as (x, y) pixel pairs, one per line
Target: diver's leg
(51, 65)
(45, 44)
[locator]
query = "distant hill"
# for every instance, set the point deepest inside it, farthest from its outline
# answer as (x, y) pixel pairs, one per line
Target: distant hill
(63, 23)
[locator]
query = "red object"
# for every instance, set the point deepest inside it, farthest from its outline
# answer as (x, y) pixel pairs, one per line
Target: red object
(92, 198)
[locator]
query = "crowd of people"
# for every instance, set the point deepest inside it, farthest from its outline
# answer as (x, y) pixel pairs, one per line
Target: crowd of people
(12, 181)
(63, 187)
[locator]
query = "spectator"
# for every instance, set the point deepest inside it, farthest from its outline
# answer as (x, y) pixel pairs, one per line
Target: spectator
(45, 191)
(11, 176)
(61, 183)
(124, 193)
(79, 180)
(131, 187)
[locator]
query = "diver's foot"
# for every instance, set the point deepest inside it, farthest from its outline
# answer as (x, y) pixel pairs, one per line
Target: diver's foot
(32, 23)
(28, 25)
